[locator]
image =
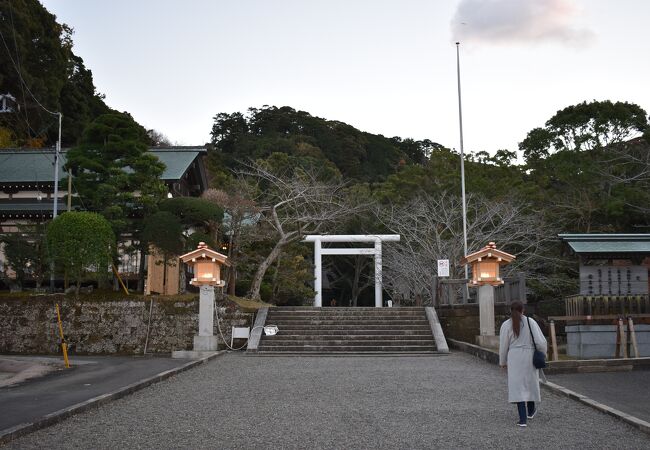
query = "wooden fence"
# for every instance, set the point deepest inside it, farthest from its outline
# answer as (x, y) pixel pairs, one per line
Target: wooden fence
(600, 305)
(457, 292)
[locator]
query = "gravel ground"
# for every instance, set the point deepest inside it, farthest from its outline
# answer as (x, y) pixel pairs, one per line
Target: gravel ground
(454, 401)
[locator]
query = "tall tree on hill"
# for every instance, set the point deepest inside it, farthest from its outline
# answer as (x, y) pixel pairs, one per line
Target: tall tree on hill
(587, 166)
(263, 131)
(585, 126)
(41, 71)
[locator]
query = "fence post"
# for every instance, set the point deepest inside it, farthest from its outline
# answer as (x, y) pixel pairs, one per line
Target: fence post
(434, 292)
(553, 340)
(630, 325)
(623, 341)
(522, 288)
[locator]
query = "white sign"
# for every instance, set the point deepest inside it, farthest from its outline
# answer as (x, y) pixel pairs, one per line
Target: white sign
(443, 267)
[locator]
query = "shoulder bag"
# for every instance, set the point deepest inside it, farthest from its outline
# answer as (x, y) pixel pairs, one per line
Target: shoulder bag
(539, 360)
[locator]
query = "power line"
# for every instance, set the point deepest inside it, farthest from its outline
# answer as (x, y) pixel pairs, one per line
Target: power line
(20, 77)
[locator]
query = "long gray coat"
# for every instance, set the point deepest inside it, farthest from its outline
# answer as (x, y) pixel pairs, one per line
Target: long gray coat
(517, 353)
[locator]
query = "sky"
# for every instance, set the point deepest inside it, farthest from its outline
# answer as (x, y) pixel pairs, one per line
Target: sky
(383, 66)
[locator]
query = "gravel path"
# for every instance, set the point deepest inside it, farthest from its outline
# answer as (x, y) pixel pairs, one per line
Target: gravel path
(454, 401)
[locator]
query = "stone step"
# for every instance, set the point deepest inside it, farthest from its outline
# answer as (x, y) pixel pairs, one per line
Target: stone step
(352, 332)
(345, 317)
(353, 312)
(343, 354)
(344, 309)
(348, 322)
(350, 348)
(344, 344)
(352, 327)
(349, 337)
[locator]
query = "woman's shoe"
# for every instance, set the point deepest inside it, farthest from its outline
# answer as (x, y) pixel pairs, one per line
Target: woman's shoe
(521, 424)
(530, 416)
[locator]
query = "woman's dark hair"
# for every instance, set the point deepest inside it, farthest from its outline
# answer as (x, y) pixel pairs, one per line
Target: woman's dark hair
(516, 310)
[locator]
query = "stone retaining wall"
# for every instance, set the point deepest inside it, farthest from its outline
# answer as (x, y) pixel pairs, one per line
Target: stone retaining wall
(29, 325)
(462, 322)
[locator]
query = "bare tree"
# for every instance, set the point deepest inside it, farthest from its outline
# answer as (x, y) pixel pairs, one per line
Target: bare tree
(241, 215)
(293, 205)
(431, 229)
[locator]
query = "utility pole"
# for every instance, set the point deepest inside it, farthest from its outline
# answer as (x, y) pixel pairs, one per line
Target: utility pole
(462, 156)
(55, 207)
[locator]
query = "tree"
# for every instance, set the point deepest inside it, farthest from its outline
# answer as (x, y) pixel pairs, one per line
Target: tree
(115, 176)
(292, 205)
(241, 215)
(41, 71)
(585, 126)
(79, 241)
(25, 253)
(431, 229)
(263, 131)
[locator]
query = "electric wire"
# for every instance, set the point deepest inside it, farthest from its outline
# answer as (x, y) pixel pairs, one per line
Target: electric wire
(21, 77)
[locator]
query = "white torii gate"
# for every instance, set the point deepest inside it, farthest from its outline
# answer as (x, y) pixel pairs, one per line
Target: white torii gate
(318, 239)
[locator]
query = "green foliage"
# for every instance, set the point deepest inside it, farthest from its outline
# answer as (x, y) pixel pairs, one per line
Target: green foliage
(195, 238)
(164, 230)
(314, 141)
(80, 241)
(25, 253)
(585, 126)
(114, 174)
(58, 79)
(192, 211)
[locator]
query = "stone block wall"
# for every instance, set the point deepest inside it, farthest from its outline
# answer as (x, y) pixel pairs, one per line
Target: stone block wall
(29, 325)
(462, 322)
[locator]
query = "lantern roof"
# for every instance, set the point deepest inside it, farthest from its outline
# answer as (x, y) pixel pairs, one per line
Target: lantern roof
(204, 252)
(489, 251)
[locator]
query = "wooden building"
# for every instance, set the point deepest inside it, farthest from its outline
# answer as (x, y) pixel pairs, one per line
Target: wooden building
(27, 188)
(611, 264)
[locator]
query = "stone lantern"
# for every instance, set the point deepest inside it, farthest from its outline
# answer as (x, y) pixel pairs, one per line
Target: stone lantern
(206, 265)
(485, 265)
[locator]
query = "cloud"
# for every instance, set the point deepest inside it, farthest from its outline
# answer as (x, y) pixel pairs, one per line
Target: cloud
(518, 21)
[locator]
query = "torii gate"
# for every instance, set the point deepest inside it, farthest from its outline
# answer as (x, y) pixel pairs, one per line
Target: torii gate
(318, 239)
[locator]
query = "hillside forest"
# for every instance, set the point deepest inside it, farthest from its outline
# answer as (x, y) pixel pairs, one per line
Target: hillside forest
(277, 174)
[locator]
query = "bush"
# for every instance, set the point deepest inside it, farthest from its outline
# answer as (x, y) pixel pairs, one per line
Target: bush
(79, 242)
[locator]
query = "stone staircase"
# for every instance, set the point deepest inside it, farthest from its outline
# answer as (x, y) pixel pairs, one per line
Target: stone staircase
(309, 330)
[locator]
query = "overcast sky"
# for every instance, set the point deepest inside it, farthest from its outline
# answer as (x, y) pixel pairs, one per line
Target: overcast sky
(383, 66)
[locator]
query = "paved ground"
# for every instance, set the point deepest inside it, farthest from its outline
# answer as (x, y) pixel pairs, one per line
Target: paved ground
(89, 377)
(237, 401)
(626, 391)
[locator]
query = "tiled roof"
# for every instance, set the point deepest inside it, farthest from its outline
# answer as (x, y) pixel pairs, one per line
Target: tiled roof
(37, 165)
(608, 243)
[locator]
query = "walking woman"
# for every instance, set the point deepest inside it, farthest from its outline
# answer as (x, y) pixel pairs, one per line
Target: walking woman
(516, 355)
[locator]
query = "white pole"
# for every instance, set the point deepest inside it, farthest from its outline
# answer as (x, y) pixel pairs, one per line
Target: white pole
(318, 274)
(462, 156)
(378, 275)
(55, 207)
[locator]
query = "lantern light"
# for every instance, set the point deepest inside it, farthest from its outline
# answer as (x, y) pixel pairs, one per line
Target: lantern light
(206, 264)
(486, 263)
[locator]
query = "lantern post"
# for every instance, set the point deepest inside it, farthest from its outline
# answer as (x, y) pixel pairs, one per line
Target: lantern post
(485, 265)
(206, 266)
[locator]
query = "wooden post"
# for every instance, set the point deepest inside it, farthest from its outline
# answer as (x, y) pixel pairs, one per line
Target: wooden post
(635, 347)
(69, 190)
(553, 340)
(618, 342)
(623, 337)
(64, 346)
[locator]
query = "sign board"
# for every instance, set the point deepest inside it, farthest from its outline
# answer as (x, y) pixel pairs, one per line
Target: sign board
(443, 267)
